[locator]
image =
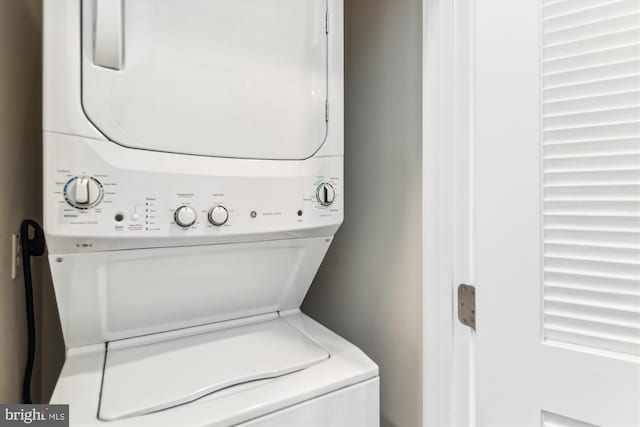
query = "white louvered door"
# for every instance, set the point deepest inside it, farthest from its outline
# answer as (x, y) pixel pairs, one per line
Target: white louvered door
(555, 190)
(591, 174)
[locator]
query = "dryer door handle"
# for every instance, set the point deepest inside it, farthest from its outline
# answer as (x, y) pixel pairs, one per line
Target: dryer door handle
(109, 33)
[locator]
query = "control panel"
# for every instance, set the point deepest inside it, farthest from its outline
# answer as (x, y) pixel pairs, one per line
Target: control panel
(99, 205)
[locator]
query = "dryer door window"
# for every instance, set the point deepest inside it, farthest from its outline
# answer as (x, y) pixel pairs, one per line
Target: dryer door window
(225, 78)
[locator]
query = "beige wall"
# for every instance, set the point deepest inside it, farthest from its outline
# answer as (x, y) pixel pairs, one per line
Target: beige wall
(20, 173)
(369, 286)
(21, 198)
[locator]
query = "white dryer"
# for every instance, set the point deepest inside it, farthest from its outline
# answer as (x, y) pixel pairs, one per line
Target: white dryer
(193, 178)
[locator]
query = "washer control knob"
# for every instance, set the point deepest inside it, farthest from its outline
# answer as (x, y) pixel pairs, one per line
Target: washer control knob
(325, 194)
(185, 216)
(218, 215)
(83, 192)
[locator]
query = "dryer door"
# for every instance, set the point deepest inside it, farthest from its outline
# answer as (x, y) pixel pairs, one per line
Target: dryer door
(226, 78)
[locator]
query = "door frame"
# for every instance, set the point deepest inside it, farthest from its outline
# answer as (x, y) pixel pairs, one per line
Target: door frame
(448, 347)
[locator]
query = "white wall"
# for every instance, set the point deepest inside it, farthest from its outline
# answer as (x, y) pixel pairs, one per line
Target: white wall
(369, 286)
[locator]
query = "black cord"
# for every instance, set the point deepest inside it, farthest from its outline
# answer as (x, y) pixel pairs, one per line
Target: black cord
(32, 244)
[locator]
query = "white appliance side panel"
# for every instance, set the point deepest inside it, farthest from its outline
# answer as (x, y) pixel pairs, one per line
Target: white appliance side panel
(105, 296)
(265, 199)
(334, 143)
(218, 78)
(355, 406)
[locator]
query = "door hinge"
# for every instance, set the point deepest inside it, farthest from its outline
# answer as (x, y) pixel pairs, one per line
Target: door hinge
(467, 305)
(326, 111)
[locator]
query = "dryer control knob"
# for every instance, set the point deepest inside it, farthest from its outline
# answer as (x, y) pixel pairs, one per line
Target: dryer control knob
(325, 194)
(218, 215)
(83, 192)
(185, 216)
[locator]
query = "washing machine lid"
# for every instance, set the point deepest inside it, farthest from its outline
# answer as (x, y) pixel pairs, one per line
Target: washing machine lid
(161, 373)
(227, 78)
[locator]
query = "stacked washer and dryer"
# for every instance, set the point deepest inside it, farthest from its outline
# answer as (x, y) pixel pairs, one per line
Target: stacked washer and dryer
(193, 177)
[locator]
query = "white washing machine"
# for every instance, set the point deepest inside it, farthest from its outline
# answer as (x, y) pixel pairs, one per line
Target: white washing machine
(193, 177)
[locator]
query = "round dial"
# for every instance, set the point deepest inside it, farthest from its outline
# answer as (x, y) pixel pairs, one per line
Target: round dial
(218, 215)
(325, 194)
(185, 216)
(83, 192)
